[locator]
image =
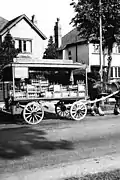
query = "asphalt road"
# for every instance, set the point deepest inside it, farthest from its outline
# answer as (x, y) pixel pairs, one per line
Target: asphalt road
(54, 142)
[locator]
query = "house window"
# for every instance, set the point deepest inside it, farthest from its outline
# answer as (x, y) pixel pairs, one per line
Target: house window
(96, 48)
(116, 71)
(116, 49)
(24, 45)
(119, 49)
(20, 45)
(69, 55)
(111, 71)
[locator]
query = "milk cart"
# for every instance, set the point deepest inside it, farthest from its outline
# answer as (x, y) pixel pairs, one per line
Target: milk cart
(29, 86)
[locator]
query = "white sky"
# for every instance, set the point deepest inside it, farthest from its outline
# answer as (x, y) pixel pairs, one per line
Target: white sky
(46, 12)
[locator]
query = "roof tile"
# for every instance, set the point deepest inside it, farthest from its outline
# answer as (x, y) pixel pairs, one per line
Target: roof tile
(71, 38)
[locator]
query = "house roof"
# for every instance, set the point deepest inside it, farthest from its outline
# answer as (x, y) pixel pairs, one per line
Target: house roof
(71, 38)
(3, 22)
(7, 25)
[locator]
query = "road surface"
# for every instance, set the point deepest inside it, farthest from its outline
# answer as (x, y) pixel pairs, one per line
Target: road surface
(56, 142)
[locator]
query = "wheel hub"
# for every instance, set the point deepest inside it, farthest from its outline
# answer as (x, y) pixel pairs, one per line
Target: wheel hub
(63, 108)
(33, 113)
(78, 111)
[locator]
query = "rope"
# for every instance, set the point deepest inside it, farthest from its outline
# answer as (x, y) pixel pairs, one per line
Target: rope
(102, 99)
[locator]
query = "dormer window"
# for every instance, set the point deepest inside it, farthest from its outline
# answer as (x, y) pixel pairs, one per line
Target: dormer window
(24, 45)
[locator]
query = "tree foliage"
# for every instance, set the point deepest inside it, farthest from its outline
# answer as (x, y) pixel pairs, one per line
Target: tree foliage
(51, 50)
(87, 21)
(7, 50)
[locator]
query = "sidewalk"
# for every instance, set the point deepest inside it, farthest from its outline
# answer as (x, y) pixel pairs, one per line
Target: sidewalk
(75, 169)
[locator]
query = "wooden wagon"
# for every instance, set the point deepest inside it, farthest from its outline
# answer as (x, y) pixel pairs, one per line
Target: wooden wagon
(28, 87)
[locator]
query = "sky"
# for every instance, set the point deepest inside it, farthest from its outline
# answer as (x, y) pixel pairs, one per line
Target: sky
(46, 12)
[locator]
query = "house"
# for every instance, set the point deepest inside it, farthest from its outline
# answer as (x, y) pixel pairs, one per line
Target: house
(28, 38)
(79, 50)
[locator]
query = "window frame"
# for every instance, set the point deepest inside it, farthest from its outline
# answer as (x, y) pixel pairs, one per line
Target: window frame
(116, 49)
(23, 46)
(96, 48)
(115, 72)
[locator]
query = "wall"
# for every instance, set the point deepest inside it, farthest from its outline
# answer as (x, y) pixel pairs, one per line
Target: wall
(115, 60)
(82, 53)
(24, 30)
(94, 58)
(88, 55)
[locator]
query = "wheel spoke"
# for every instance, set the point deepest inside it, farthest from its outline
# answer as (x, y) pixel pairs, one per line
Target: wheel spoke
(40, 113)
(28, 116)
(82, 108)
(73, 111)
(28, 110)
(79, 115)
(33, 120)
(28, 113)
(58, 110)
(30, 119)
(59, 113)
(63, 113)
(39, 110)
(67, 112)
(31, 107)
(38, 116)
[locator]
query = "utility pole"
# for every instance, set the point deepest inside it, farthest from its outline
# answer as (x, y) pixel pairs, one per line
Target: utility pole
(101, 53)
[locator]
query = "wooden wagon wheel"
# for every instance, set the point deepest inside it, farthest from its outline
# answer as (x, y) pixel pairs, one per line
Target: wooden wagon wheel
(78, 110)
(62, 110)
(33, 113)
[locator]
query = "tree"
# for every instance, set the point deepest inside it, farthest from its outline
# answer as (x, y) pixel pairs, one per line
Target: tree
(87, 18)
(51, 50)
(7, 50)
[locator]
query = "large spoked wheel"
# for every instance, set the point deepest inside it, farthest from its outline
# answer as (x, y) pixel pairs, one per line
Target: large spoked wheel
(33, 113)
(78, 111)
(62, 110)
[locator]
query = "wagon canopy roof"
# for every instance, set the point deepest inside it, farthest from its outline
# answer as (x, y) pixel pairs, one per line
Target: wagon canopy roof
(47, 63)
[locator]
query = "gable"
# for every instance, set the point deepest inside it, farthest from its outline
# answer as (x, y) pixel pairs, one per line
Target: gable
(8, 26)
(23, 30)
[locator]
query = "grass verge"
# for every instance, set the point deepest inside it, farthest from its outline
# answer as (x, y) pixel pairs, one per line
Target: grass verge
(110, 175)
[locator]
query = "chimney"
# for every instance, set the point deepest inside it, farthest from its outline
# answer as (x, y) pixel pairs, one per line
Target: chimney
(34, 21)
(57, 33)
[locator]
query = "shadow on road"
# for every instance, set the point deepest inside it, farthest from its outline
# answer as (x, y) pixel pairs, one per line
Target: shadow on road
(23, 141)
(18, 119)
(6, 119)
